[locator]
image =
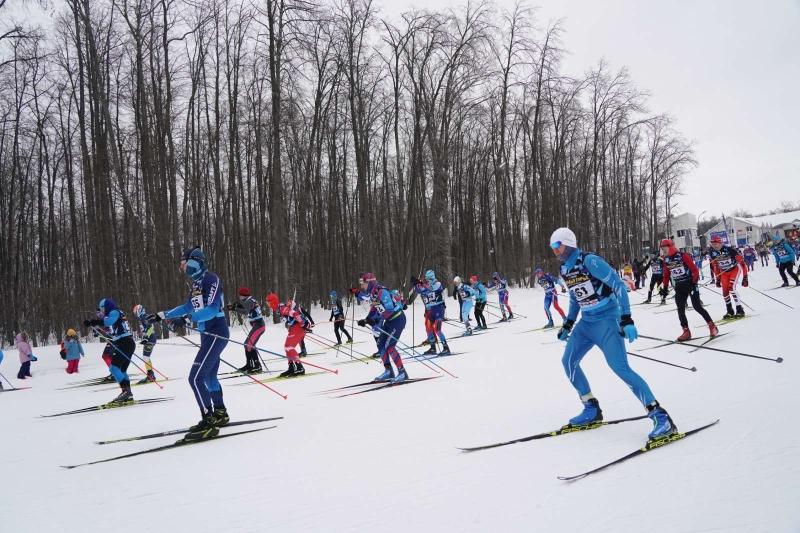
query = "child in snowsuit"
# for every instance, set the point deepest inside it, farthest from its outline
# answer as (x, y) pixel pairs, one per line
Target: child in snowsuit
(25, 355)
(74, 349)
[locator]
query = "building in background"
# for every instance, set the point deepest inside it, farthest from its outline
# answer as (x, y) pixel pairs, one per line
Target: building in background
(684, 229)
(740, 231)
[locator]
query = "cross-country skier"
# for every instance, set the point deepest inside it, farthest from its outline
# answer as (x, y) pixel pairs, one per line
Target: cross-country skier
(500, 284)
(729, 269)
(548, 283)
(147, 329)
(206, 307)
(297, 325)
(122, 345)
(656, 279)
(387, 315)
(247, 305)
(338, 318)
(680, 268)
(431, 291)
(784, 261)
(480, 301)
(597, 292)
(466, 295)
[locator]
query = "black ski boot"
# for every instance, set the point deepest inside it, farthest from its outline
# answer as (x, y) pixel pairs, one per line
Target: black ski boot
(431, 350)
(730, 314)
(151, 376)
(649, 298)
(221, 417)
(299, 369)
(109, 379)
(445, 350)
(739, 311)
(289, 372)
(205, 429)
(125, 396)
(245, 369)
(255, 368)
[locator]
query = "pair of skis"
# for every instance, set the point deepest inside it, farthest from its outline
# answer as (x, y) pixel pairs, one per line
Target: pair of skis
(651, 444)
(371, 386)
(109, 405)
(178, 444)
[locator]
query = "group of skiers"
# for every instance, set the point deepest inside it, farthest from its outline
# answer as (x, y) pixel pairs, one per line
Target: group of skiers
(596, 291)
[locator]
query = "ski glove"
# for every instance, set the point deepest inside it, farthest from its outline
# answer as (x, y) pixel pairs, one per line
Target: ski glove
(362, 323)
(663, 291)
(627, 329)
(566, 328)
(745, 283)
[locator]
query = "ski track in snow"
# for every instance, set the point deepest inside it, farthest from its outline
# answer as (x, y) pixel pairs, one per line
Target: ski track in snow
(387, 460)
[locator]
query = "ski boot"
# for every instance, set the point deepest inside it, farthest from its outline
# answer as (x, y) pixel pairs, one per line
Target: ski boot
(649, 299)
(402, 375)
(548, 325)
(337, 343)
(591, 413)
(504, 319)
(255, 368)
(349, 340)
(785, 284)
(739, 311)
(245, 369)
(299, 369)
(467, 332)
(221, 417)
(431, 350)
(730, 314)
(151, 376)
(663, 301)
(663, 426)
(387, 375)
(289, 372)
(303, 354)
(712, 330)
(511, 316)
(685, 336)
(376, 355)
(125, 396)
(109, 379)
(445, 349)
(797, 283)
(205, 429)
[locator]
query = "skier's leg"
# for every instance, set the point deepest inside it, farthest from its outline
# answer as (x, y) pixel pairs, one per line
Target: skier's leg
(612, 344)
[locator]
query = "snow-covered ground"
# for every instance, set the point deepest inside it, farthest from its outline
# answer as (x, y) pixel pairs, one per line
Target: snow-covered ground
(387, 460)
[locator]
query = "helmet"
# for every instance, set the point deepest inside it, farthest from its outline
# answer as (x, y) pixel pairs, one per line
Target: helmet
(106, 305)
(333, 295)
(666, 243)
(473, 279)
(430, 275)
(244, 291)
(563, 236)
(495, 275)
(139, 311)
(366, 277)
(457, 280)
(71, 333)
(195, 261)
(538, 272)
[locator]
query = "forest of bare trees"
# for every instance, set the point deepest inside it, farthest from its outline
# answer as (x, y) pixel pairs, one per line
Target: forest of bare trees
(301, 143)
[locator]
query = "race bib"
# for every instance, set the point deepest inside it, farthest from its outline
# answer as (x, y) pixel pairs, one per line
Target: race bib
(678, 271)
(584, 292)
(379, 308)
(197, 302)
(725, 264)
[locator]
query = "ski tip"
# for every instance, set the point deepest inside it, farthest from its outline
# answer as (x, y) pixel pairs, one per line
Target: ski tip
(69, 467)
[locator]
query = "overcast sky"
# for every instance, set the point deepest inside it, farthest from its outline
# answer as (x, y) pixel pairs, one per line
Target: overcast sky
(728, 71)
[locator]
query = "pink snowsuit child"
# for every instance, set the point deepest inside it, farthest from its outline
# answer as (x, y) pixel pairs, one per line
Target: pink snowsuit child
(25, 355)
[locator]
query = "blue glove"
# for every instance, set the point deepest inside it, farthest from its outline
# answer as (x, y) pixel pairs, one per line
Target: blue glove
(34, 358)
(566, 328)
(627, 329)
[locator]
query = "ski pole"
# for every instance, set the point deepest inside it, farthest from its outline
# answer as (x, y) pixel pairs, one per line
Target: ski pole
(261, 349)
(9, 382)
(322, 341)
(775, 359)
(716, 292)
(693, 369)
(107, 339)
(416, 355)
(771, 298)
(454, 322)
(500, 308)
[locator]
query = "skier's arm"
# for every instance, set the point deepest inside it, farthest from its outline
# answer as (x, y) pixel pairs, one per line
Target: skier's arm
(112, 317)
(601, 270)
(179, 311)
(664, 274)
(689, 262)
(790, 249)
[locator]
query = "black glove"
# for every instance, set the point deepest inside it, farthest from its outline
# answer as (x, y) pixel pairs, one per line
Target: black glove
(405, 307)
(155, 317)
(745, 283)
(663, 291)
(414, 280)
(93, 322)
(362, 323)
(563, 333)
(144, 342)
(369, 321)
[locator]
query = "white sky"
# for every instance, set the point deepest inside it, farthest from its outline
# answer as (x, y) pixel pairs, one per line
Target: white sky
(727, 70)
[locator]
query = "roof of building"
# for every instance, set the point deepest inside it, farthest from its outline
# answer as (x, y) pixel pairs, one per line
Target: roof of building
(777, 219)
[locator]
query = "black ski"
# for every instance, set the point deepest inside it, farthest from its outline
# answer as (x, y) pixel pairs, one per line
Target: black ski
(105, 406)
(383, 385)
(280, 378)
(670, 343)
(178, 444)
(136, 384)
(427, 357)
(561, 431)
(15, 388)
(184, 430)
(649, 446)
(707, 341)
